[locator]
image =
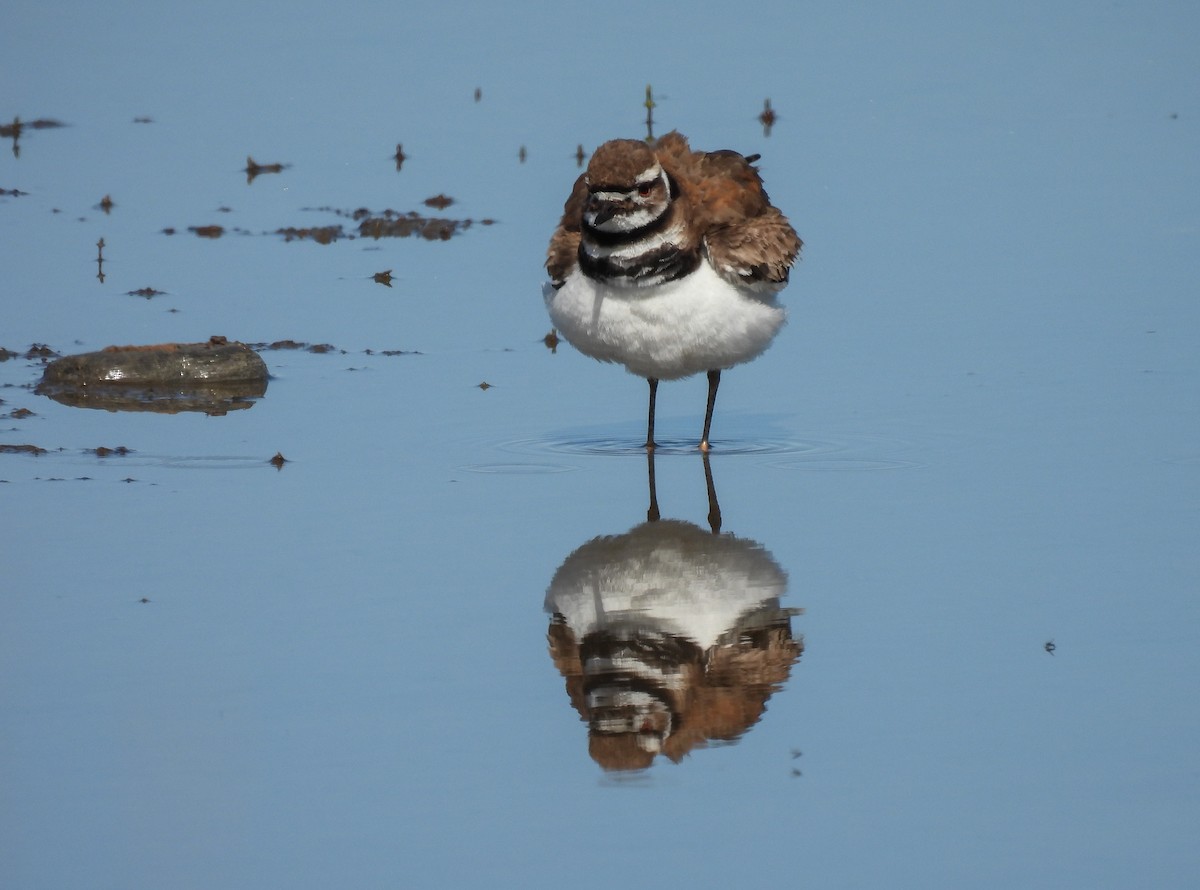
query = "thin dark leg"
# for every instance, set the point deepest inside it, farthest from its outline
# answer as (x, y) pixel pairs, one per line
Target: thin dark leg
(714, 380)
(650, 422)
(652, 514)
(714, 509)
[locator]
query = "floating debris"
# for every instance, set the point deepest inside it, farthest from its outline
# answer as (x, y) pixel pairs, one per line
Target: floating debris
(439, 201)
(551, 340)
(213, 377)
(386, 224)
(767, 117)
(22, 449)
(254, 169)
(100, 260)
(319, 234)
(11, 130)
(650, 106)
(104, 451)
(12, 193)
(206, 231)
(143, 120)
(106, 204)
(318, 348)
(40, 350)
(399, 157)
(14, 130)
(147, 292)
(485, 386)
(429, 228)
(384, 278)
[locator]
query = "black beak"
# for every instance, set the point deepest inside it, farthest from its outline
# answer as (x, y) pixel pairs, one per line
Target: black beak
(603, 211)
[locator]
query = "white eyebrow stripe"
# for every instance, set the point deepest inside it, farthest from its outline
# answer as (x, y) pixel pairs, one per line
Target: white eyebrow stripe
(650, 173)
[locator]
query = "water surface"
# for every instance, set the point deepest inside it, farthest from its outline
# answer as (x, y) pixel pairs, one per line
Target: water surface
(977, 435)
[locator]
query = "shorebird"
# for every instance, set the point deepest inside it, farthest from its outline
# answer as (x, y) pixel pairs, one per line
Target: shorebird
(668, 261)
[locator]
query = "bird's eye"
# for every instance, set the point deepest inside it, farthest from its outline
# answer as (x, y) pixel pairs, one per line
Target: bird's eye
(645, 188)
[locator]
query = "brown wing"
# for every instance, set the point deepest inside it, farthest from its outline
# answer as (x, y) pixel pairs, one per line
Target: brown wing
(748, 239)
(564, 243)
(675, 153)
(728, 189)
(762, 248)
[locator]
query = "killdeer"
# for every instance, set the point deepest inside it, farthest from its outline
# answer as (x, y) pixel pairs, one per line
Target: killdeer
(667, 261)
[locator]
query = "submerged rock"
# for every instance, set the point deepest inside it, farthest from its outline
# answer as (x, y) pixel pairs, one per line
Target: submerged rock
(213, 377)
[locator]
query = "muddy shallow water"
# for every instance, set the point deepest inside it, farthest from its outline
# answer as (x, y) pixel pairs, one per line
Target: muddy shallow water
(947, 632)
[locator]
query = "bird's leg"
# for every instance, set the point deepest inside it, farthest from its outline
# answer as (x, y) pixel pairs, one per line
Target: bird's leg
(652, 514)
(714, 509)
(714, 380)
(653, 381)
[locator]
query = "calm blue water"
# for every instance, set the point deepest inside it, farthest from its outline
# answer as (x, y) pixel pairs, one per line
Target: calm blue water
(977, 435)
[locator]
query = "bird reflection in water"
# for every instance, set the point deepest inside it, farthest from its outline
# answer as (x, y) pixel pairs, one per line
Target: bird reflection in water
(670, 637)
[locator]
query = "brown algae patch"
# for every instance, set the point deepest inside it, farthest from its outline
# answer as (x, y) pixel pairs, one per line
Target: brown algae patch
(35, 450)
(367, 224)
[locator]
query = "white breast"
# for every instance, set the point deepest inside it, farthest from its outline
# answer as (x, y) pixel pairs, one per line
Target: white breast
(698, 323)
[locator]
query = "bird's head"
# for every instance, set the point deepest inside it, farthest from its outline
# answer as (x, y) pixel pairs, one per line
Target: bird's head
(627, 187)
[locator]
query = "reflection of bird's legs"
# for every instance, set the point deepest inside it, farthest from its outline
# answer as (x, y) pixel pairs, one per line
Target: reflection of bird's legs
(650, 421)
(652, 514)
(714, 380)
(714, 509)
